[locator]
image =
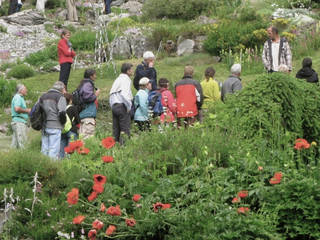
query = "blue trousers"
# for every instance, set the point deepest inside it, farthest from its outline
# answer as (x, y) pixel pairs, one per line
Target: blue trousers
(50, 145)
(108, 6)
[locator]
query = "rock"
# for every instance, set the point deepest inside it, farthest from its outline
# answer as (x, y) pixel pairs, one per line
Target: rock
(56, 68)
(299, 17)
(62, 13)
(137, 41)
(140, 1)
(216, 59)
(199, 41)
(121, 47)
(117, 3)
(205, 20)
(26, 18)
(104, 19)
(4, 128)
(7, 111)
(133, 7)
(185, 47)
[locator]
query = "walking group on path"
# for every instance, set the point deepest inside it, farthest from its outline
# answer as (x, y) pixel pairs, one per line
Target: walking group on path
(66, 116)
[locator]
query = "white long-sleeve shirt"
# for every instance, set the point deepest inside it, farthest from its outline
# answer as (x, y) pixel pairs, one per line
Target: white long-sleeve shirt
(121, 91)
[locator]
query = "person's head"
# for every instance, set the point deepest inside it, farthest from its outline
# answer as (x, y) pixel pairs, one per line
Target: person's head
(59, 86)
(126, 68)
(273, 32)
(209, 73)
(21, 89)
(90, 74)
(144, 82)
(65, 34)
(148, 56)
(307, 63)
(163, 83)
(236, 69)
(283, 68)
(68, 97)
(188, 71)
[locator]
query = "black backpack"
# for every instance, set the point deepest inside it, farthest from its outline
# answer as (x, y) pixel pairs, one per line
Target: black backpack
(37, 116)
(77, 101)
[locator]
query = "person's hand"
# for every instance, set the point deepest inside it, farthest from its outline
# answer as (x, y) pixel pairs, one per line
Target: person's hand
(28, 110)
(97, 92)
(151, 63)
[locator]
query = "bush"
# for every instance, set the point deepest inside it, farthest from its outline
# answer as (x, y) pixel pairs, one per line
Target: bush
(7, 90)
(38, 58)
(53, 4)
(83, 40)
(21, 71)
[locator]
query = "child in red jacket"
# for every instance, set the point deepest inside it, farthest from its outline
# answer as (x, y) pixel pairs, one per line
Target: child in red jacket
(168, 102)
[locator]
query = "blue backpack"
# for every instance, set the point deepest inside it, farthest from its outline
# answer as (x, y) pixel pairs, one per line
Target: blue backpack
(154, 103)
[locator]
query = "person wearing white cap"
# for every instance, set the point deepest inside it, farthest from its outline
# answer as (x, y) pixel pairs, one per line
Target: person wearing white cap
(233, 83)
(141, 104)
(146, 69)
(19, 113)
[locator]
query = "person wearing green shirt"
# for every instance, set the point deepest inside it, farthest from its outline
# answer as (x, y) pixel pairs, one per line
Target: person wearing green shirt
(19, 114)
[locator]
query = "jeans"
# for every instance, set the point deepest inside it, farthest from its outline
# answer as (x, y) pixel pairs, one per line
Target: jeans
(50, 145)
(65, 139)
(120, 121)
(108, 6)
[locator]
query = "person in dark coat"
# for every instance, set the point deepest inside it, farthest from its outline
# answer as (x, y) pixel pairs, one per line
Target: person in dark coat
(13, 4)
(306, 72)
(107, 4)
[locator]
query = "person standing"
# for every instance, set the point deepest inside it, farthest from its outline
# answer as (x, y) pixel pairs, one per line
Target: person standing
(121, 102)
(66, 55)
(189, 98)
(19, 114)
(107, 4)
(168, 102)
(72, 11)
(89, 94)
(210, 88)
(54, 105)
(233, 83)
(146, 69)
(306, 72)
(276, 52)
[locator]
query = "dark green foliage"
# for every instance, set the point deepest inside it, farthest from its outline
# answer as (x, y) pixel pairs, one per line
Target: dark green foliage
(83, 40)
(21, 71)
(7, 90)
(52, 4)
(42, 56)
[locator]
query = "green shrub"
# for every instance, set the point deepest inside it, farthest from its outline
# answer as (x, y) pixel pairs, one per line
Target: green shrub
(83, 40)
(7, 90)
(21, 71)
(4, 66)
(47, 66)
(52, 4)
(38, 58)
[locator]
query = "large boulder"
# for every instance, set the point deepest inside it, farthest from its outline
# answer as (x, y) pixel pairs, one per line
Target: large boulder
(185, 47)
(121, 47)
(133, 7)
(117, 3)
(299, 17)
(26, 18)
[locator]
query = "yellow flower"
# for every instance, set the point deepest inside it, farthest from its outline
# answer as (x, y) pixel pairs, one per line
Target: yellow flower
(313, 143)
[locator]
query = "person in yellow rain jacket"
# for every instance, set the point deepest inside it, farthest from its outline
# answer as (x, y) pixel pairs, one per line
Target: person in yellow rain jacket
(210, 88)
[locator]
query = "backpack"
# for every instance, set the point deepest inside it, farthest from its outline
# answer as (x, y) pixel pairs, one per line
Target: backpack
(154, 103)
(68, 124)
(37, 116)
(77, 100)
(133, 110)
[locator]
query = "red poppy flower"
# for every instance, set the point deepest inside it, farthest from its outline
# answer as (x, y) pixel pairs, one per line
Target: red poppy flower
(166, 205)
(83, 150)
(97, 224)
(136, 197)
(243, 210)
(99, 179)
(92, 196)
(301, 143)
(278, 175)
(243, 194)
(274, 181)
(68, 150)
(73, 196)
(108, 142)
(159, 205)
(78, 219)
(130, 222)
(98, 188)
(76, 144)
(102, 207)
(110, 230)
(114, 211)
(92, 234)
(107, 159)
(235, 200)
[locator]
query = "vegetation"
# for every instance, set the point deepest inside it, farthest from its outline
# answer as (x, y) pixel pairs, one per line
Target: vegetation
(21, 71)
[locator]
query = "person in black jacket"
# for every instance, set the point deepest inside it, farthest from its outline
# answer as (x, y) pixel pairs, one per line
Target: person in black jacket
(146, 69)
(70, 131)
(306, 72)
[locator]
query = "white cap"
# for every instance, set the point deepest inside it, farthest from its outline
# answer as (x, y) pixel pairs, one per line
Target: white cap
(236, 68)
(148, 54)
(144, 81)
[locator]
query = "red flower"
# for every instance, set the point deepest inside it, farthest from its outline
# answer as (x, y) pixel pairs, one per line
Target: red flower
(68, 150)
(243, 194)
(78, 219)
(278, 175)
(92, 196)
(107, 159)
(73, 196)
(301, 144)
(110, 230)
(136, 197)
(76, 144)
(166, 205)
(83, 150)
(108, 142)
(97, 224)
(114, 211)
(102, 207)
(243, 210)
(274, 181)
(99, 179)
(92, 234)
(130, 222)
(235, 200)
(98, 188)
(159, 205)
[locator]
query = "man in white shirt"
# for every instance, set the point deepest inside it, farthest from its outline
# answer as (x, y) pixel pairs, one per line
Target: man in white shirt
(276, 52)
(121, 102)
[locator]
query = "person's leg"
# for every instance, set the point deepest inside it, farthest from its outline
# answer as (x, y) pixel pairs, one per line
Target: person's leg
(54, 142)
(14, 142)
(65, 73)
(21, 134)
(45, 142)
(140, 125)
(87, 127)
(124, 121)
(108, 6)
(63, 144)
(115, 123)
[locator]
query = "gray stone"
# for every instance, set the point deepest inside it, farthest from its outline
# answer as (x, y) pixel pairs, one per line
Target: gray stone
(299, 17)
(199, 41)
(62, 13)
(133, 7)
(117, 3)
(137, 41)
(185, 47)
(26, 18)
(205, 20)
(121, 47)
(4, 128)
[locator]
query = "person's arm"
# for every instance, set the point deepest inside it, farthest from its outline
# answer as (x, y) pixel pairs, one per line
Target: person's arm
(171, 102)
(87, 93)
(152, 73)
(199, 90)
(63, 47)
(22, 110)
(126, 93)
(62, 108)
(216, 92)
(236, 86)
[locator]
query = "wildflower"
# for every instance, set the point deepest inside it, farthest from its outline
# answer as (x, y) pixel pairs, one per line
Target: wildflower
(243, 194)
(114, 211)
(97, 224)
(83, 150)
(99, 179)
(102, 207)
(98, 188)
(235, 200)
(274, 181)
(107, 159)
(73, 196)
(92, 196)
(110, 230)
(301, 144)
(136, 197)
(278, 175)
(130, 222)
(75, 144)
(313, 143)
(108, 142)
(68, 150)
(159, 205)
(243, 210)
(92, 234)
(78, 219)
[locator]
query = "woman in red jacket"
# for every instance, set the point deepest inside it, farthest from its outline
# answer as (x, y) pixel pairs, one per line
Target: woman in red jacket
(66, 55)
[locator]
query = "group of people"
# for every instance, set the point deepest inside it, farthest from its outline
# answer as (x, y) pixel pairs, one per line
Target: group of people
(65, 121)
